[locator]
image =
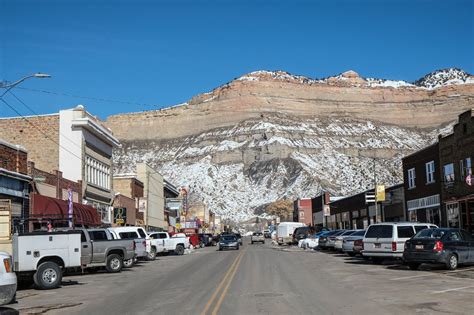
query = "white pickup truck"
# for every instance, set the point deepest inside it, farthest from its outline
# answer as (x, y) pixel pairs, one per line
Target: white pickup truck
(45, 255)
(143, 248)
(176, 243)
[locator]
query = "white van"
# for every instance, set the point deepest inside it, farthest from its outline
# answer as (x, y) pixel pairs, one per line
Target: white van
(285, 231)
(387, 240)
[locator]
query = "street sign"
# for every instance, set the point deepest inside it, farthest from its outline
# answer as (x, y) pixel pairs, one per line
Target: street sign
(380, 192)
(369, 197)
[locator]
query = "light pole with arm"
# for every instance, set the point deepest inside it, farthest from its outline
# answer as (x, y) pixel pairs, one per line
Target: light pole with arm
(10, 86)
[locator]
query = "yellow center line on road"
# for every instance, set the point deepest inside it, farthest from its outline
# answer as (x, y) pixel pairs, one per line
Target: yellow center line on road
(226, 276)
(224, 292)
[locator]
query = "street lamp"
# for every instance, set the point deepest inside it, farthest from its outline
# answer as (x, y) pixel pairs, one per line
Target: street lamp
(10, 86)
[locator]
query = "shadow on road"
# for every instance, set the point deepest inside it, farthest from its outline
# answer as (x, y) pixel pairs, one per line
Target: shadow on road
(8, 311)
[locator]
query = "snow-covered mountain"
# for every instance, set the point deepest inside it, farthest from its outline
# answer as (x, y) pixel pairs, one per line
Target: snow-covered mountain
(269, 134)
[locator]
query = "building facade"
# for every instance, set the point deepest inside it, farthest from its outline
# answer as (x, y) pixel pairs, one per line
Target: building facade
(422, 186)
(456, 152)
(303, 211)
(14, 192)
(153, 203)
(74, 142)
(128, 193)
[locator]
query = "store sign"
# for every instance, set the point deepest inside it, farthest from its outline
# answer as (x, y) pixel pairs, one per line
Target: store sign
(380, 193)
(469, 180)
(326, 210)
(120, 216)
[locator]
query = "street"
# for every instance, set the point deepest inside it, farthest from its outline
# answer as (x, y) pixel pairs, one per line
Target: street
(258, 279)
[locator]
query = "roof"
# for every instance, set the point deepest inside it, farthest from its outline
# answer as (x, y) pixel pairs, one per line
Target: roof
(13, 146)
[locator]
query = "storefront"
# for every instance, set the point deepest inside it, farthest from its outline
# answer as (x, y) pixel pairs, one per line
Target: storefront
(460, 213)
(425, 209)
(14, 190)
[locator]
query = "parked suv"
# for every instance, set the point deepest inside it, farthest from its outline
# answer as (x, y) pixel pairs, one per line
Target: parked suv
(387, 240)
(302, 233)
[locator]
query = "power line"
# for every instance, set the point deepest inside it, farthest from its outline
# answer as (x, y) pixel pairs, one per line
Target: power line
(87, 97)
(36, 127)
(35, 113)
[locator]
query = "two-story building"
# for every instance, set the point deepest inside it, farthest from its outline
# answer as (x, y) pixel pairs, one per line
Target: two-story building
(73, 142)
(422, 186)
(456, 152)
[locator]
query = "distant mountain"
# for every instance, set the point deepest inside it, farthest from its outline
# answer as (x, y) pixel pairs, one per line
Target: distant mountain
(269, 135)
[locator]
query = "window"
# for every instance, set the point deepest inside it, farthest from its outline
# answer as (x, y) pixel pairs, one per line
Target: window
(128, 235)
(449, 173)
(419, 228)
(452, 211)
(98, 235)
(97, 173)
(405, 231)
(454, 236)
(83, 237)
(142, 233)
(465, 168)
(411, 178)
(379, 231)
(430, 170)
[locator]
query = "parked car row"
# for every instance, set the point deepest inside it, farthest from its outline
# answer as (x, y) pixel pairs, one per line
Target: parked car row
(411, 242)
(44, 256)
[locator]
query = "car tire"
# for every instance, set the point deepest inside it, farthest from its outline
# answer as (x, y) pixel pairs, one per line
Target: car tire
(413, 266)
(114, 263)
(452, 262)
(179, 250)
(151, 256)
(237, 248)
(48, 276)
(251, 242)
(128, 263)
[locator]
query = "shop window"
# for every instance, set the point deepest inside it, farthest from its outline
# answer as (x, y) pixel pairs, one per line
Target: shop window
(465, 168)
(452, 213)
(411, 178)
(433, 216)
(449, 173)
(430, 170)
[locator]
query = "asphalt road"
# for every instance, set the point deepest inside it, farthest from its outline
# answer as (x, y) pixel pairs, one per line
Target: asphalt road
(258, 279)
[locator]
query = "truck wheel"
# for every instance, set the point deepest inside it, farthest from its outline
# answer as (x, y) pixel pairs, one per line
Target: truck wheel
(152, 254)
(114, 263)
(179, 250)
(48, 276)
(413, 266)
(128, 263)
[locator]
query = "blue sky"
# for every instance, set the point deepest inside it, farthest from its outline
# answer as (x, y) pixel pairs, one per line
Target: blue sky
(150, 54)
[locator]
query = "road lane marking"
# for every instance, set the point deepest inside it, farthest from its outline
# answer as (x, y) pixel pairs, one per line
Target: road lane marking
(454, 289)
(211, 300)
(411, 277)
(224, 292)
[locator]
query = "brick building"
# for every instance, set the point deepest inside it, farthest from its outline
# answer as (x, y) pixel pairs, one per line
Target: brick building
(456, 152)
(129, 191)
(320, 209)
(14, 192)
(303, 211)
(422, 185)
(74, 142)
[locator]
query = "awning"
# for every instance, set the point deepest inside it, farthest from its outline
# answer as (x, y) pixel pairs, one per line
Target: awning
(48, 208)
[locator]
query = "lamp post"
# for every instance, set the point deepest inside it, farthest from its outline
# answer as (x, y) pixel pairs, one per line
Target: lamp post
(9, 86)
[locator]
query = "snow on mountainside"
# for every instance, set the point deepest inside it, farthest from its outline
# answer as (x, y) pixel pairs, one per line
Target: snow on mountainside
(433, 80)
(445, 77)
(237, 169)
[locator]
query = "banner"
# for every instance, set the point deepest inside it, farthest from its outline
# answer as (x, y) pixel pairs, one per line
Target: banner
(380, 193)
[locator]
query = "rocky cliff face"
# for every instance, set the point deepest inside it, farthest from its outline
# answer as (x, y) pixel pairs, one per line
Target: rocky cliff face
(268, 135)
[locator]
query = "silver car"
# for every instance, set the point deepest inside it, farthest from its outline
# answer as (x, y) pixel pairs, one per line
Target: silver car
(257, 237)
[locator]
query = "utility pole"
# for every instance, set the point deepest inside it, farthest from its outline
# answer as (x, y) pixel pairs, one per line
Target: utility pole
(375, 193)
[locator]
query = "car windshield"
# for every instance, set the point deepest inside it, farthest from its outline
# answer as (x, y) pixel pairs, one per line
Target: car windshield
(358, 233)
(229, 238)
(430, 233)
